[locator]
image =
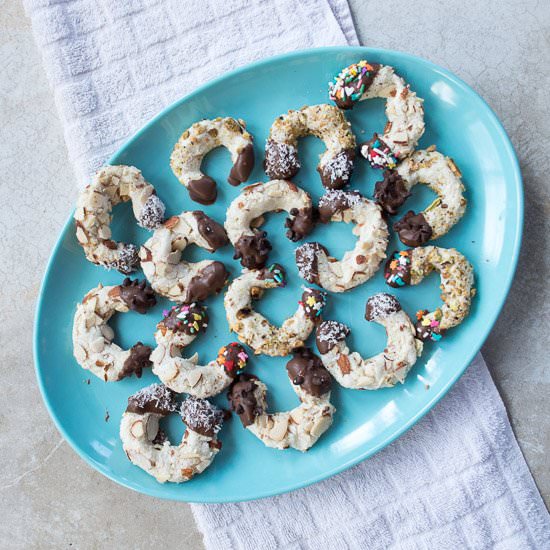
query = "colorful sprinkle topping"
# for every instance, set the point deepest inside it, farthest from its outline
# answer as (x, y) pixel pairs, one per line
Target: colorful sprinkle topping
(313, 301)
(189, 318)
(277, 275)
(232, 358)
(428, 325)
(398, 269)
(379, 154)
(351, 83)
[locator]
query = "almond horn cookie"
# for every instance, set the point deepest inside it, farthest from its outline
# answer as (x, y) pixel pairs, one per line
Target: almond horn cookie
(404, 109)
(380, 371)
(409, 267)
(299, 428)
(442, 176)
(147, 446)
(315, 264)
(175, 278)
(180, 326)
(251, 245)
(253, 329)
(93, 345)
(93, 215)
(197, 141)
(323, 121)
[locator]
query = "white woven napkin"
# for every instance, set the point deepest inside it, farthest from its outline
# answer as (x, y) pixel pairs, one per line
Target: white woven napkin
(455, 480)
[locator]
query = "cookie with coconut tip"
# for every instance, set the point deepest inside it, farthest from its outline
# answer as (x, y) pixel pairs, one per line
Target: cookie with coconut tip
(404, 109)
(245, 215)
(442, 176)
(172, 276)
(382, 370)
(253, 329)
(358, 265)
(299, 428)
(409, 267)
(201, 138)
(179, 327)
(93, 215)
(148, 447)
(93, 339)
(323, 121)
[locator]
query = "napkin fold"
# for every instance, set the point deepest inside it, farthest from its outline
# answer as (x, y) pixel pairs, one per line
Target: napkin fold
(457, 479)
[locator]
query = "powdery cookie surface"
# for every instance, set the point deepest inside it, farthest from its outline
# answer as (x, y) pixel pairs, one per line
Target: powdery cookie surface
(457, 285)
(299, 428)
(146, 445)
(404, 109)
(178, 279)
(382, 370)
(197, 141)
(358, 265)
(180, 326)
(246, 211)
(93, 215)
(253, 329)
(323, 121)
(442, 176)
(93, 345)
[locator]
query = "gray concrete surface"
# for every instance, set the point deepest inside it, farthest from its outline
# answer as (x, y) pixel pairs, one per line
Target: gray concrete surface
(49, 496)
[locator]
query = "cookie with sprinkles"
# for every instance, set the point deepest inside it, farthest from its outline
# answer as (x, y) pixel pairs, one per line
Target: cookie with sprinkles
(404, 109)
(188, 318)
(233, 358)
(257, 332)
(410, 267)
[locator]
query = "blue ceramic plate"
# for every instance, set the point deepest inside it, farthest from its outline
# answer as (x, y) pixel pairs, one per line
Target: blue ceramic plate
(462, 126)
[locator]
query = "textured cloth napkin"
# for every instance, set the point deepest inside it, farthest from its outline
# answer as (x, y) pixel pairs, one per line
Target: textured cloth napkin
(455, 480)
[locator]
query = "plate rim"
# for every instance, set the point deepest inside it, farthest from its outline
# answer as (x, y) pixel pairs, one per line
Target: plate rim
(402, 429)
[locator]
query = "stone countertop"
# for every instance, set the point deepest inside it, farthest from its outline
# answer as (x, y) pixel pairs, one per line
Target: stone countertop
(50, 496)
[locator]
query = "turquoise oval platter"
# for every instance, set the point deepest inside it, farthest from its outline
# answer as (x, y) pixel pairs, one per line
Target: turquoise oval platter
(87, 411)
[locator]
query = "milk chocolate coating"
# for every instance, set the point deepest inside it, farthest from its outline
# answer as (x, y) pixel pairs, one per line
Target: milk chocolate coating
(211, 230)
(203, 190)
(328, 334)
(306, 370)
(201, 416)
(242, 399)
(138, 296)
(156, 399)
(364, 80)
(336, 202)
(336, 173)
(209, 280)
(243, 166)
(281, 160)
(391, 192)
(300, 224)
(252, 250)
(136, 361)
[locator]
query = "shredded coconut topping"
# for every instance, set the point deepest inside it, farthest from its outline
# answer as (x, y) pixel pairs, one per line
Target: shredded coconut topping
(382, 305)
(158, 394)
(152, 213)
(332, 331)
(201, 416)
(281, 157)
(305, 261)
(339, 167)
(332, 196)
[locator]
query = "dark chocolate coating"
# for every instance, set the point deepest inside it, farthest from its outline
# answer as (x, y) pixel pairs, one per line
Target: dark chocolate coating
(328, 334)
(252, 250)
(300, 224)
(364, 80)
(203, 190)
(242, 399)
(136, 361)
(211, 230)
(243, 166)
(156, 399)
(306, 370)
(138, 296)
(281, 161)
(201, 416)
(381, 305)
(336, 202)
(336, 173)
(413, 229)
(391, 192)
